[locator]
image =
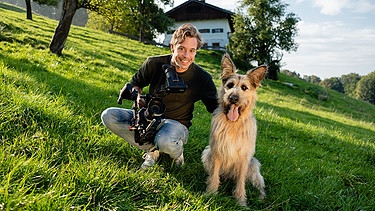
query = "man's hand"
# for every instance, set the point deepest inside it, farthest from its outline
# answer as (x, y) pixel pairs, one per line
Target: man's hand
(140, 101)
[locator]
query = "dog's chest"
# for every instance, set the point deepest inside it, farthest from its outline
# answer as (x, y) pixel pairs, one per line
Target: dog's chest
(233, 140)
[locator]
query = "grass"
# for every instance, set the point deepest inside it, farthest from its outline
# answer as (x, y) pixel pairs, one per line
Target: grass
(316, 153)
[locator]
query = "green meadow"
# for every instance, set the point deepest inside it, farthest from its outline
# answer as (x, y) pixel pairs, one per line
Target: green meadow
(316, 146)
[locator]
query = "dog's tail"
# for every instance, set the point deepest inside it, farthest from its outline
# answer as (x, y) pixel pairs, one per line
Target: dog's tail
(255, 177)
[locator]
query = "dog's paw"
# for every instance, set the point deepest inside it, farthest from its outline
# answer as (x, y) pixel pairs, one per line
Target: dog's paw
(262, 194)
(212, 186)
(262, 197)
(242, 202)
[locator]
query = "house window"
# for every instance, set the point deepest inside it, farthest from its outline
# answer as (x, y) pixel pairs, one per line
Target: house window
(217, 30)
(216, 46)
(204, 30)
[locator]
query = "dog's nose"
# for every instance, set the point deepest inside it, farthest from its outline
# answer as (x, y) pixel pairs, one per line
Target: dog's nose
(233, 98)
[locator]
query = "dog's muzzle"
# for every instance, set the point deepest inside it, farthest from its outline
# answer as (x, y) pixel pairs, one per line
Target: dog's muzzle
(233, 99)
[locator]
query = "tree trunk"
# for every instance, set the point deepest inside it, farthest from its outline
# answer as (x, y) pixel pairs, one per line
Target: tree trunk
(273, 68)
(141, 35)
(62, 31)
(29, 14)
(141, 18)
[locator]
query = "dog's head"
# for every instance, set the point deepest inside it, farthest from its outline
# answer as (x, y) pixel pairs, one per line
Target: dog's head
(237, 94)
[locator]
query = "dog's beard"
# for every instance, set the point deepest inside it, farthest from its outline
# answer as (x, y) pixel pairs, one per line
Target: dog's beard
(233, 113)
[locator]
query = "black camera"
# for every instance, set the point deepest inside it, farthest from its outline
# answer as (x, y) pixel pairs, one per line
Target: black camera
(174, 83)
(147, 121)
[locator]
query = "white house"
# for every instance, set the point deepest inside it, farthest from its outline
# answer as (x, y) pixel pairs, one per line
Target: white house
(214, 23)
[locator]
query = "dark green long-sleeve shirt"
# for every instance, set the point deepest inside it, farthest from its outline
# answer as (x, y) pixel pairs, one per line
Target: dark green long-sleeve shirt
(179, 106)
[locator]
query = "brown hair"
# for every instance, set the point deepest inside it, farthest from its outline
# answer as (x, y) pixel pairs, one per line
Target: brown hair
(186, 30)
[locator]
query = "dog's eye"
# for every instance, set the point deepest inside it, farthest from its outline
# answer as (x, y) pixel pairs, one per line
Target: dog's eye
(230, 85)
(243, 87)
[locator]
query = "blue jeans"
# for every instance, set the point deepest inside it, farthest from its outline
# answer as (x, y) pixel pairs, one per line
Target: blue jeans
(169, 139)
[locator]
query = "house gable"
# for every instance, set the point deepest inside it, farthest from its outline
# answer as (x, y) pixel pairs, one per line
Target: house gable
(194, 10)
(214, 23)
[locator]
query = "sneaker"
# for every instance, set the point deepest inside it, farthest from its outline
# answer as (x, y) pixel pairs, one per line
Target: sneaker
(180, 160)
(150, 159)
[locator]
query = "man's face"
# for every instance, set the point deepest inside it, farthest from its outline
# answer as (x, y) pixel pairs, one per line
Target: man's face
(183, 54)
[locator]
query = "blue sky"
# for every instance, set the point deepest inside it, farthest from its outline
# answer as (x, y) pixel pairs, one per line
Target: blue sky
(336, 37)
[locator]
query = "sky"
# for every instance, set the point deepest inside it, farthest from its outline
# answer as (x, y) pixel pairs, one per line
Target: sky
(335, 37)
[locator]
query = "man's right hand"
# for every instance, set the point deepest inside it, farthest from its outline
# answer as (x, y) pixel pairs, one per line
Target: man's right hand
(140, 101)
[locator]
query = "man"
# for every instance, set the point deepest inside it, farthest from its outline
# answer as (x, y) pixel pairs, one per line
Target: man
(169, 139)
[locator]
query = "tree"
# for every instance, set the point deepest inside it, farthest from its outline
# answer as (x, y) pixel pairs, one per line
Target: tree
(333, 83)
(98, 22)
(312, 79)
(151, 19)
(264, 32)
(142, 10)
(365, 89)
(290, 73)
(69, 8)
(349, 83)
(112, 14)
(29, 14)
(137, 18)
(62, 30)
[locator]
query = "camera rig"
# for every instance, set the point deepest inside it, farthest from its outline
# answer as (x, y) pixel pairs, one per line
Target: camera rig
(148, 120)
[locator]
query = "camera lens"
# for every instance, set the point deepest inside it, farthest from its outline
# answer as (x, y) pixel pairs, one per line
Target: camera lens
(155, 108)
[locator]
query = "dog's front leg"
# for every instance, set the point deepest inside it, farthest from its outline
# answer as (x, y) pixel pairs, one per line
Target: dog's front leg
(213, 180)
(240, 192)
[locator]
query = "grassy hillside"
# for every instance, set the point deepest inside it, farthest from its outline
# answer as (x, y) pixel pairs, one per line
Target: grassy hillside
(316, 146)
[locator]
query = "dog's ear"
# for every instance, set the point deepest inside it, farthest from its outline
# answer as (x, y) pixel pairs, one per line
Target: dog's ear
(256, 75)
(228, 67)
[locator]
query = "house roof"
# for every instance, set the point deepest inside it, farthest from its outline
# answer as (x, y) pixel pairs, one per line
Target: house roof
(192, 10)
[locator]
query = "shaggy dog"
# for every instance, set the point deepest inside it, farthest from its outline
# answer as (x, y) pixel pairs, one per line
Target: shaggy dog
(233, 133)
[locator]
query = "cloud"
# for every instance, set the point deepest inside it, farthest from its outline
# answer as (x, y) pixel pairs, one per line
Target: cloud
(331, 7)
(331, 48)
(363, 6)
(335, 7)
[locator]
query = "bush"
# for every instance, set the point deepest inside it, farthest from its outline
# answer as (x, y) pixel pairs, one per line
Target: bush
(317, 93)
(365, 89)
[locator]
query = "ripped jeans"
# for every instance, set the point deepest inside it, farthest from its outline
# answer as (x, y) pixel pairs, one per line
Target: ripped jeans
(169, 139)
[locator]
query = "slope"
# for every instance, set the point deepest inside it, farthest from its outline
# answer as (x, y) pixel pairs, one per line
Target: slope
(316, 146)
